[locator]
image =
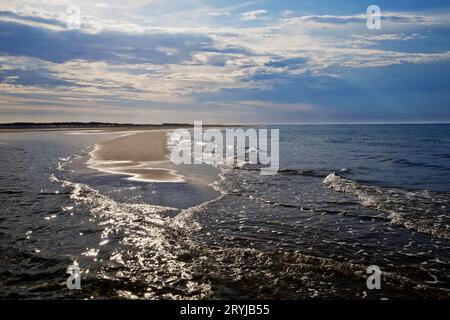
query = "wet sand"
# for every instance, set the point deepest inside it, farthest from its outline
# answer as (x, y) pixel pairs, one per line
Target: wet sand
(136, 154)
(136, 147)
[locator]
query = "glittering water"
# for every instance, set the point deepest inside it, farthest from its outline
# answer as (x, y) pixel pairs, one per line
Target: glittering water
(347, 197)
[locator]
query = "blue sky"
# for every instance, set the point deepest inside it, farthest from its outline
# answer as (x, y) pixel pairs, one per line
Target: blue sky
(153, 61)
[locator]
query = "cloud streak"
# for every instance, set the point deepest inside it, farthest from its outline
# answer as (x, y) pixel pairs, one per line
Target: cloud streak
(253, 15)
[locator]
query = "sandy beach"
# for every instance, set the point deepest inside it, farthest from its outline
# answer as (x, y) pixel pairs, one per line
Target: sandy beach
(136, 154)
(136, 147)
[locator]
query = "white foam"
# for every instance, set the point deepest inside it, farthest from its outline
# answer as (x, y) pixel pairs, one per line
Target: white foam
(422, 210)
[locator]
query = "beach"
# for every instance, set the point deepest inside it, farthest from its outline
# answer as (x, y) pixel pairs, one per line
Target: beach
(137, 154)
(141, 227)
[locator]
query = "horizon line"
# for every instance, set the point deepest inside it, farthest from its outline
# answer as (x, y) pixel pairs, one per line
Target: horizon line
(215, 124)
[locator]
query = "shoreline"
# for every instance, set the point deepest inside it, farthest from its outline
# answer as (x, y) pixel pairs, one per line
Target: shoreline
(139, 155)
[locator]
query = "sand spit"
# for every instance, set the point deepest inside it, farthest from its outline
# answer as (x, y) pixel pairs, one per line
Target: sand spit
(135, 154)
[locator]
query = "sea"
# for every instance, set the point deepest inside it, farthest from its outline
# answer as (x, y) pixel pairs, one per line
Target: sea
(346, 198)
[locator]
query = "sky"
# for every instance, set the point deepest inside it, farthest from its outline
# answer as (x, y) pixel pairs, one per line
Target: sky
(224, 61)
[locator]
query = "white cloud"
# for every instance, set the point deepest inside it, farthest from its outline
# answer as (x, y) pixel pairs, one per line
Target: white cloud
(396, 17)
(387, 37)
(253, 15)
(233, 60)
(168, 51)
(101, 5)
(287, 13)
(219, 14)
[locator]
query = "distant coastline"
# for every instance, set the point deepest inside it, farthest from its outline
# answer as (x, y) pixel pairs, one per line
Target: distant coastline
(94, 124)
(71, 125)
(53, 126)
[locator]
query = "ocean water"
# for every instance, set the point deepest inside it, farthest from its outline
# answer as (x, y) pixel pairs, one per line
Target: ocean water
(346, 197)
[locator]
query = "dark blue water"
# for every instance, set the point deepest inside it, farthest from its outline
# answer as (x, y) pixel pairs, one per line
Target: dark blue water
(405, 156)
(346, 197)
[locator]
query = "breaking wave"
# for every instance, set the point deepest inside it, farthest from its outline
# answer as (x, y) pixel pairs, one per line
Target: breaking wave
(420, 210)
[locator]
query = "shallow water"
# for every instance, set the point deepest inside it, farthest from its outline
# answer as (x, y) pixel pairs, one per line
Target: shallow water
(304, 233)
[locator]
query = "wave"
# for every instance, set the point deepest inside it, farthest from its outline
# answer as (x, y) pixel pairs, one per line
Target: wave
(291, 172)
(159, 250)
(420, 210)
